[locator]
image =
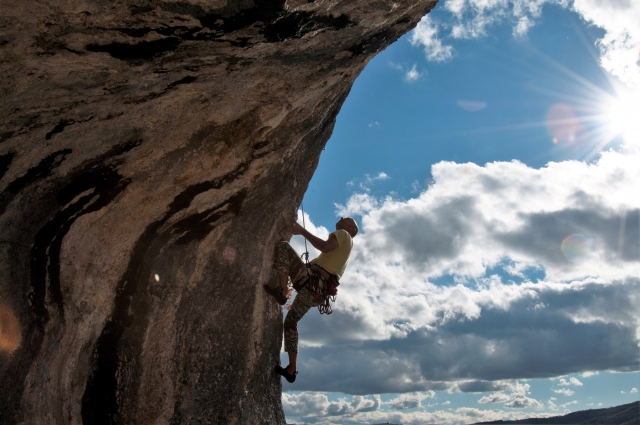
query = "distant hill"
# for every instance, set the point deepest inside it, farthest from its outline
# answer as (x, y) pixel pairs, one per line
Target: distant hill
(626, 414)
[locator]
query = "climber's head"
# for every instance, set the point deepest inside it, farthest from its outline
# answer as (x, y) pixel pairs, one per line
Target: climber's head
(348, 224)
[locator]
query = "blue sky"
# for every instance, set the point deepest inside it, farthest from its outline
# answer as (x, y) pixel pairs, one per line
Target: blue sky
(401, 128)
(491, 158)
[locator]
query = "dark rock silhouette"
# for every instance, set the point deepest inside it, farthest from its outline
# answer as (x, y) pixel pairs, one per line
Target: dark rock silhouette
(150, 154)
(625, 414)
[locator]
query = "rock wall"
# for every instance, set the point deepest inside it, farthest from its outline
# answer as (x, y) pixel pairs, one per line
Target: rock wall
(151, 152)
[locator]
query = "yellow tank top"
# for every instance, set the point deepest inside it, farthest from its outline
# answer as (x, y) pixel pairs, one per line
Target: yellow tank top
(335, 261)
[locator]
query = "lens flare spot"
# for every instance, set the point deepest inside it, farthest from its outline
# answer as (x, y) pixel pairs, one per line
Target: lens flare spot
(562, 123)
(156, 277)
(10, 337)
(229, 254)
(576, 247)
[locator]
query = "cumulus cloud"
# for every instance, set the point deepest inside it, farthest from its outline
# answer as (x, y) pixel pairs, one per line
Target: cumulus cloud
(521, 402)
(619, 48)
(426, 35)
(633, 390)
(381, 176)
(494, 344)
(457, 416)
(317, 404)
(564, 391)
(410, 400)
(565, 217)
(498, 397)
(413, 74)
(428, 303)
(571, 381)
(518, 398)
(410, 74)
(473, 18)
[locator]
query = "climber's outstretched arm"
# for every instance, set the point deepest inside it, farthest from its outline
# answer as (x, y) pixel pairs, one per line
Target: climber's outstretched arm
(321, 245)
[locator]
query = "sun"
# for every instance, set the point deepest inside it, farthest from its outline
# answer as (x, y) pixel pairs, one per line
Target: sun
(623, 115)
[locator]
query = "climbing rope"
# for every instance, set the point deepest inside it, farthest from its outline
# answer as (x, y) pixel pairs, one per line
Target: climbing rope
(305, 254)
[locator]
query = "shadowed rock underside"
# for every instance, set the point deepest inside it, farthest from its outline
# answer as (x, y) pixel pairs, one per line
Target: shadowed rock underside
(151, 153)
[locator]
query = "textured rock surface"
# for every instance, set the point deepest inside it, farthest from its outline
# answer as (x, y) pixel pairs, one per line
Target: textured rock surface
(150, 152)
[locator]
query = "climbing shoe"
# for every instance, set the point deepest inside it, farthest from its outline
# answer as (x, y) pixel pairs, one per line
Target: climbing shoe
(275, 293)
(291, 378)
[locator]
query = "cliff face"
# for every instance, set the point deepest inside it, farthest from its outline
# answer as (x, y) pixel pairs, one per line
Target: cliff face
(150, 154)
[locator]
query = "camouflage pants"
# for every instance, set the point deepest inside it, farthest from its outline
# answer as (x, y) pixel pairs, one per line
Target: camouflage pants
(288, 262)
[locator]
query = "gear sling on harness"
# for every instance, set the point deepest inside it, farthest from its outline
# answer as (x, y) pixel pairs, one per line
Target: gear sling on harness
(329, 288)
(326, 291)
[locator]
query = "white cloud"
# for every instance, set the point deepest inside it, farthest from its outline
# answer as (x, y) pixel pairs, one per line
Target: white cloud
(381, 176)
(410, 400)
(588, 374)
(633, 390)
(413, 74)
(516, 400)
(522, 27)
(456, 416)
(619, 48)
(564, 391)
(426, 34)
(475, 217)
(497, 397)
(571, 381)
(410, 74)
(522, 401)
(416, 303)
(472, 18)
(357, 204)
(446, 403)
(317, 404)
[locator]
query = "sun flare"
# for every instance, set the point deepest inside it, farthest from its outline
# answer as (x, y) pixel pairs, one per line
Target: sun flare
(623, 115)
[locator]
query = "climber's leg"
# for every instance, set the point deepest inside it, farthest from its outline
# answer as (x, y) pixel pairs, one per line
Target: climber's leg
(288, 264)
(303, 302)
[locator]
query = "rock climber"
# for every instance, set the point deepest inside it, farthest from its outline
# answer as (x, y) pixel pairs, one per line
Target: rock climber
(312, 283)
